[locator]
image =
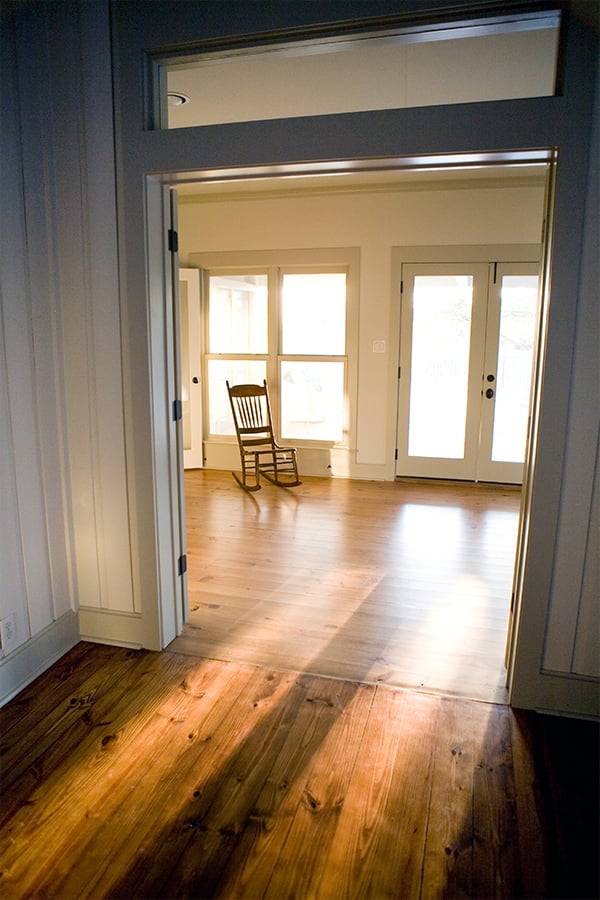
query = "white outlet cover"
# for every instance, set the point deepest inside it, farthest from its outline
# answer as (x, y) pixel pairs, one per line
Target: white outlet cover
(378, 346)
(8, 627)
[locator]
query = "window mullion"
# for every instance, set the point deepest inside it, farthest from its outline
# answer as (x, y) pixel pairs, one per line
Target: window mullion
(274, 326)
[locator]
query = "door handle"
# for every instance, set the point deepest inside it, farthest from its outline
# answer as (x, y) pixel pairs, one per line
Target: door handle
(195, 380)
(489, 393)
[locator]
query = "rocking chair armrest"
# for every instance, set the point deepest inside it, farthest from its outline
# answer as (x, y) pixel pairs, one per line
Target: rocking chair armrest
(277, 446)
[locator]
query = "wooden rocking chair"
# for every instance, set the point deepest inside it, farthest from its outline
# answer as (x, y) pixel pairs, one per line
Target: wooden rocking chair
(259, 452)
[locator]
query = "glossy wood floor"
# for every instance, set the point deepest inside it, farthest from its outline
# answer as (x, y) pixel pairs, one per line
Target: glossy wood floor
(142, 775)
(406, 583)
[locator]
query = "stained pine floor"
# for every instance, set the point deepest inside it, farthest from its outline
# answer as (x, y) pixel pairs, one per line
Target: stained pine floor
(141, 775)
(405, 583)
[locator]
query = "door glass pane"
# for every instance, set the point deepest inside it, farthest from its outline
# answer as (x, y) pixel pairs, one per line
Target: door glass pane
(439, 371)
(312, 400)
(313, 314)
(518, 318)
(238, 314)
(236, 371)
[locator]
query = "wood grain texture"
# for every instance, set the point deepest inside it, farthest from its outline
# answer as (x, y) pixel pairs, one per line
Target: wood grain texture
(149, 775)
(406, 583)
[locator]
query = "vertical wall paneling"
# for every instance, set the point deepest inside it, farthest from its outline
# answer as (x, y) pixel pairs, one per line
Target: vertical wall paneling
(34, 607)
(586, 656)
(36, 582)
(13, 596)
(102, 290)
(50, 143)
(573, 632)
(44, 292)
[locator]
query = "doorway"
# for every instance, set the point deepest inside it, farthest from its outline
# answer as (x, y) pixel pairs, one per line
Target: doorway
(485, 312)
(468, 340)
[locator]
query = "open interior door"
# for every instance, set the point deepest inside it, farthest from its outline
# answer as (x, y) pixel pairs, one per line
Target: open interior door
(191, 367)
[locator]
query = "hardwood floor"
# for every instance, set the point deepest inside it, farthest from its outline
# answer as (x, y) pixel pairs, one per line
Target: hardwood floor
(405, 583)
(143, 775)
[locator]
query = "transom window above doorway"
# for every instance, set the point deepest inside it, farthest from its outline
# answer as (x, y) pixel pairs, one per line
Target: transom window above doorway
(499, 58)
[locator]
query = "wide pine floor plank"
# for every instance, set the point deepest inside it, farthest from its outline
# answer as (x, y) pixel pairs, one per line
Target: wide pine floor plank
(448, 862)
(185, 777)
(380, 837)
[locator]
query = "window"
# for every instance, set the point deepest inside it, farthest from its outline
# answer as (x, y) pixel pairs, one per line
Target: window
(313, 324)
(238, 314)
(290, 327)
(237, 340)
(490, 58)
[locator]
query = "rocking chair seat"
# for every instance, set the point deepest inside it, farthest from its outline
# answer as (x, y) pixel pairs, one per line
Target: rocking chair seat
(260, 454)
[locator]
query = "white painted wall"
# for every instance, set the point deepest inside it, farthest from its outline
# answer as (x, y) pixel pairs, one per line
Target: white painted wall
(374, 220)
(65, 550)
(36, 571)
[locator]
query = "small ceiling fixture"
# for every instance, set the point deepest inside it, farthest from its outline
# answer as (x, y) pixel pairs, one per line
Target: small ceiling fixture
(177, 99)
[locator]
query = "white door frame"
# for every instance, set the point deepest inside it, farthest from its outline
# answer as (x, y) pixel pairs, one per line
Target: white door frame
(169, 510)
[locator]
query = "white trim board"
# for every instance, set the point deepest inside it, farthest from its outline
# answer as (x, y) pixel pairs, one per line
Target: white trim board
(29, 660)
(103, 626)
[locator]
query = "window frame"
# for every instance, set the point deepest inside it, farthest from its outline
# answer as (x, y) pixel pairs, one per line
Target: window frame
(282, 271)
(275, 264)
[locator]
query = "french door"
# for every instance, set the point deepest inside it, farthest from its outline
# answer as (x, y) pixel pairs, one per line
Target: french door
(468, 339)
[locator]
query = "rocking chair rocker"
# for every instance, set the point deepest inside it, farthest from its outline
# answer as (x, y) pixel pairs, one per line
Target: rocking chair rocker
(260, 454)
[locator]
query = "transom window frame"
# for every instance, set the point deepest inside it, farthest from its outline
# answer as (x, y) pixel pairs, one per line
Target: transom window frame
(275, 264)
(165, 64)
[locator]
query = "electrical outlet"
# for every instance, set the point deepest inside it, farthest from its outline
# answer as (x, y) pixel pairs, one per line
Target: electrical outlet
(8, 632)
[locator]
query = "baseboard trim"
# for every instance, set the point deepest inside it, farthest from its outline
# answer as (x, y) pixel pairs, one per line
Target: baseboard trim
(32, 658)
(104, 626)
(569, 695)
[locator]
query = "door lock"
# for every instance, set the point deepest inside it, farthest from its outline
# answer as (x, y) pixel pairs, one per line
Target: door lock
(489, 393)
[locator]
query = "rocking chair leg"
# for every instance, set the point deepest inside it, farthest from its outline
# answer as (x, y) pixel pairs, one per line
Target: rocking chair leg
(242, 483)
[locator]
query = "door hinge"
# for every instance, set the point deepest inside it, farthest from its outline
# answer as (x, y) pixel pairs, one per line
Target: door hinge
(495, 278)
(182, 564)
(177, 410)
(396, 454)
(401, 287)
(399, 372)
(173, 241)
